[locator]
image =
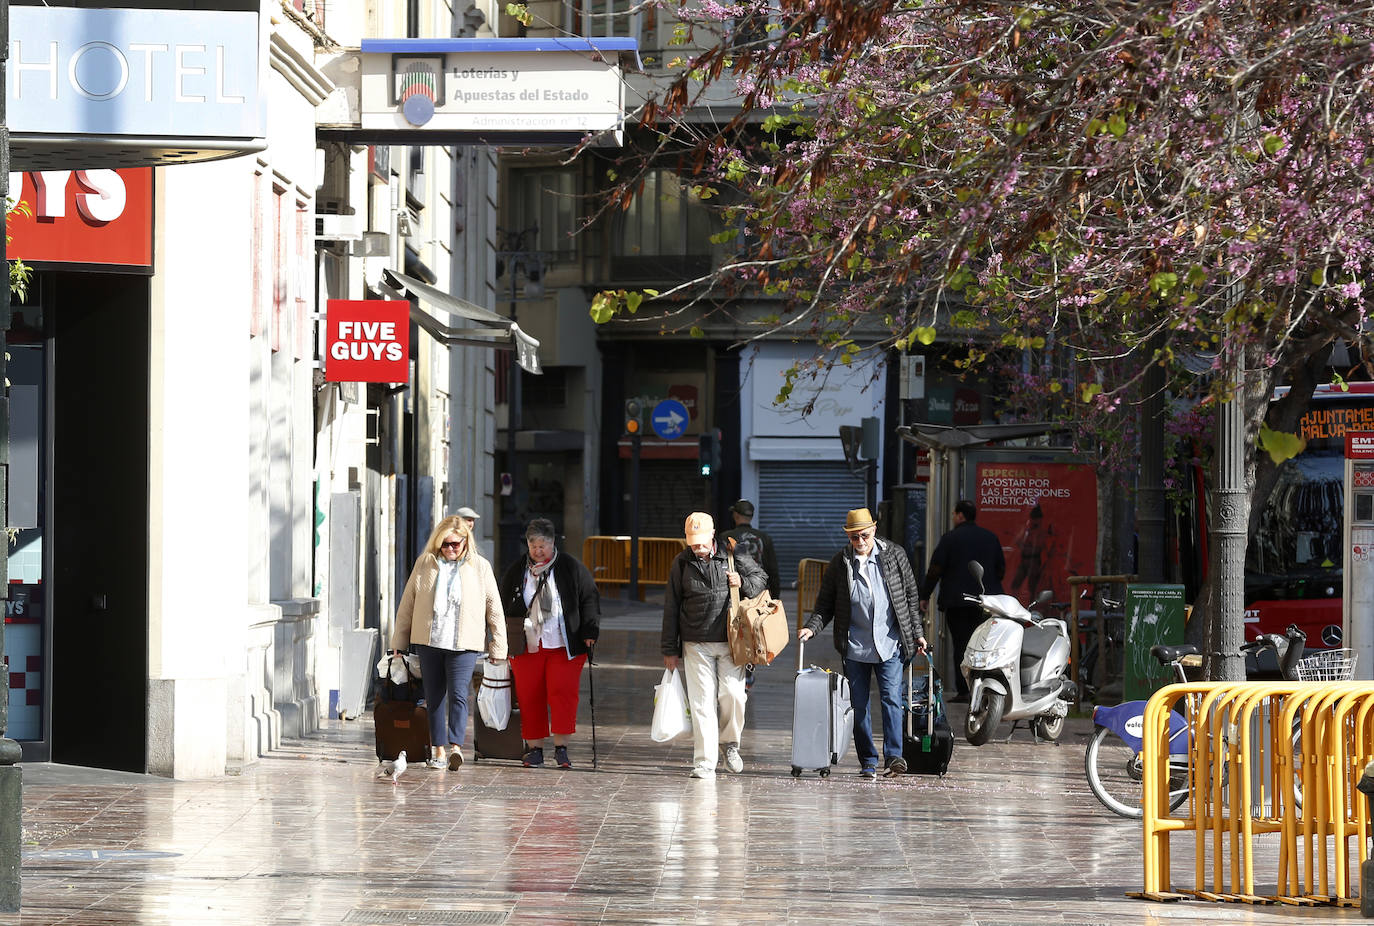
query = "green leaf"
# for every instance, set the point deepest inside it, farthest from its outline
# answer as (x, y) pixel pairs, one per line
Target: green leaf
(603, 308)
(632, 301)
(1271, 144)
(1116, 124)
(1319, 277)
(1280, 445)
(696, 332)
(651, 292)
(925, 335)
(1088, 391)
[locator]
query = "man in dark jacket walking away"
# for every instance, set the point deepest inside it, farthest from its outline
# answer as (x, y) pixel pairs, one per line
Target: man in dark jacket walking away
(965, 543)
(870, 592)
(754, 543)
(696, 608)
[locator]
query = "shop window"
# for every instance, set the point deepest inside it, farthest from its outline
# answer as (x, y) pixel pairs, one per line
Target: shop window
(300, 282)
(258, 258)
(546, 200)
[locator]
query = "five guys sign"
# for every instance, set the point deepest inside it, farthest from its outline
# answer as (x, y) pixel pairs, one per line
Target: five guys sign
(367, 341)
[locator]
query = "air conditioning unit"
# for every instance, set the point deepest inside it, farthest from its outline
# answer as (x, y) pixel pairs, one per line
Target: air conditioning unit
(371, 244)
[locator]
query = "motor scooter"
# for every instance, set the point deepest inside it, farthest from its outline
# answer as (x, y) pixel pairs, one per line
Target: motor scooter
(1015, 664)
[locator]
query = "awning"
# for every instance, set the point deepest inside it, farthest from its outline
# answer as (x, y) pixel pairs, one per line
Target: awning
(434, 311)
(946, 437)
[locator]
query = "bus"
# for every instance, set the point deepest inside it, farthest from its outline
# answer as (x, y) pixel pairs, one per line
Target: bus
(1294, 561)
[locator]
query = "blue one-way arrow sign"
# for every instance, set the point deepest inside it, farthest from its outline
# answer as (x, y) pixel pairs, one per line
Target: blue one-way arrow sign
(669, 419)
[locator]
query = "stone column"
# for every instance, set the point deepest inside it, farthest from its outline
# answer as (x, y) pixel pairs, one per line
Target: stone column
(1150, 503)
(11, 777)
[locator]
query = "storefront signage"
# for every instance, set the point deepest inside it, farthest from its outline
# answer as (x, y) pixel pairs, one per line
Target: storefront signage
(97, 217)
(93, 73)
(490, 86)
(368, 341)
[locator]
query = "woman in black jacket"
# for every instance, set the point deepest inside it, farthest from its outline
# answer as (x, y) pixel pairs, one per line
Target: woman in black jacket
(554, 597)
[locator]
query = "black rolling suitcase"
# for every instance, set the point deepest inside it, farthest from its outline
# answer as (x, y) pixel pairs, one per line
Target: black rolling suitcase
(495, 744)
(400, 719)
(927, 741)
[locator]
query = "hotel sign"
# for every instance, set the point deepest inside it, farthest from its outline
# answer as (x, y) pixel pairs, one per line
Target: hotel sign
(184, 83)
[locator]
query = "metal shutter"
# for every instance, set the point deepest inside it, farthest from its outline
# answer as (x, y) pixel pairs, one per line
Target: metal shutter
(802, 507)
(669, 490)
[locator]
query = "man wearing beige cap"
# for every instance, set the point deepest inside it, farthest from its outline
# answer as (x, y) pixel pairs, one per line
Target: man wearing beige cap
(871, 594)
(467, 514)
(696, 607)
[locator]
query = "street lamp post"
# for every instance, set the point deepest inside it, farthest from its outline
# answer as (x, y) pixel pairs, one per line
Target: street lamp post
(516, 260)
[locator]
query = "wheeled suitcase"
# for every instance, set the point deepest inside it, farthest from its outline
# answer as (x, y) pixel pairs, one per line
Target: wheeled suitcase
(495, 744)
(927, 741)
(399, 717)
(822, 718)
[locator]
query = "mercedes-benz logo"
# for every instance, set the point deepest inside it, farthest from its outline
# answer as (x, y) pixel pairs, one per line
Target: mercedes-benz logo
(1331, 635)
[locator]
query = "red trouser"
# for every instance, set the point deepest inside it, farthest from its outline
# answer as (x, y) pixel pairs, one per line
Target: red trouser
(546, 683)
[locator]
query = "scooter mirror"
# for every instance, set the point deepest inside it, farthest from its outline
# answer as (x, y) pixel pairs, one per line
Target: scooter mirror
(976, 568)
(1042, 598)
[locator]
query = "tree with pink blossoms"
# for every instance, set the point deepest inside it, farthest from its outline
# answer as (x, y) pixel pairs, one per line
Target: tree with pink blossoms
(1101, 188)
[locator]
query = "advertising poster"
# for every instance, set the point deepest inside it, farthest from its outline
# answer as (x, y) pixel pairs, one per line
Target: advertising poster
(1045, 514)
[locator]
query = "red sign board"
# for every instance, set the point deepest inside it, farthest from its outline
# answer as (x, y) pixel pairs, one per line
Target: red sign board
(1045, 514)
(97, 217)
(367, 341)
(1359, 445)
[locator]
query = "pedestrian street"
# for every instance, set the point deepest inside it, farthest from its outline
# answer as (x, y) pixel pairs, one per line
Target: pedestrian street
(310, 836)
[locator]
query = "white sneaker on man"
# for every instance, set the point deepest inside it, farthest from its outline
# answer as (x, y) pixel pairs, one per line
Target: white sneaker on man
(732, 758)
(703, 773)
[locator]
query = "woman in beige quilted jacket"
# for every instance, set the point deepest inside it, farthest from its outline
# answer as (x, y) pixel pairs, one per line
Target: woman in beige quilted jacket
(451, 614)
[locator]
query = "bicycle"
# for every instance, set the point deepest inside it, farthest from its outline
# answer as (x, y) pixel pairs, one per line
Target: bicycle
(1113, 761)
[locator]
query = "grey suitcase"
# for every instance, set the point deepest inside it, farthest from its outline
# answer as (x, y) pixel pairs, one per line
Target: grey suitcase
(822, 718)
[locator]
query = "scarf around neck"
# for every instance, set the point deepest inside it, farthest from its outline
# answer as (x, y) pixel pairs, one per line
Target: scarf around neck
(541, 605)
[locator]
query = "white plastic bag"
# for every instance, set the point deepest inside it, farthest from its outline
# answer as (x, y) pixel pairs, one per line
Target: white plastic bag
(493, 699)
(671, 715)
(400, 668)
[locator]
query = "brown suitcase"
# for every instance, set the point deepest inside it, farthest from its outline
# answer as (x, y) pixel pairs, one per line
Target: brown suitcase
(401, 725)
(495, 744)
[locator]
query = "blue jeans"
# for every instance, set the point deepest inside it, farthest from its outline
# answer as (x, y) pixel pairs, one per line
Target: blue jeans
(889, 698)
(447, 676)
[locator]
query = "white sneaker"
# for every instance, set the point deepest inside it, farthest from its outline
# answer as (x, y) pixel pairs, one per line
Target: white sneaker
(703, 773)
(732, 759)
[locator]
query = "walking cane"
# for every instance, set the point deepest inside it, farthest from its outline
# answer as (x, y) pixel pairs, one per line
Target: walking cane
(591, 696)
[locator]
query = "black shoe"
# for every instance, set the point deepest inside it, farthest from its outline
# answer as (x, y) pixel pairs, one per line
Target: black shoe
(560, 755)
(895, 766)
(534, 758)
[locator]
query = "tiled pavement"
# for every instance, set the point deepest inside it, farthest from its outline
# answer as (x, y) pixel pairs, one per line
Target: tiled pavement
(1011, 837)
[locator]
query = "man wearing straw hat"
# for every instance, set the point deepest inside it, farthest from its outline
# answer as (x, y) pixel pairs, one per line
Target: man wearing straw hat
(870, 592)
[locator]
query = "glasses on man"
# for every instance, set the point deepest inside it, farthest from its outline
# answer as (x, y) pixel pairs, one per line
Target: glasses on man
(454, 544)
(857, 536)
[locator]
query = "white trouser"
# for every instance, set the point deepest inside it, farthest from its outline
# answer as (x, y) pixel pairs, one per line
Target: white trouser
(713, 681)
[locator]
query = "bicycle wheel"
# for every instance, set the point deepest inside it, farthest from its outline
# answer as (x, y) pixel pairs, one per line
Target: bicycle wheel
(1114, 775)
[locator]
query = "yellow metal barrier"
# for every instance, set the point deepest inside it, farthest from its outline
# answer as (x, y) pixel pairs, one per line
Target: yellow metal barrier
(608, 558)
(656, 555)
(1263, 758)
(809, 574)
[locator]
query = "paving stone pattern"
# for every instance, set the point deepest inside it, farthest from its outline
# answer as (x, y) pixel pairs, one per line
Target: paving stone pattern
(1012, 837)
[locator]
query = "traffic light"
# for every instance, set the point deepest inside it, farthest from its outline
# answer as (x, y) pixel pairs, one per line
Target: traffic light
(634, 416)
(708, 452)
